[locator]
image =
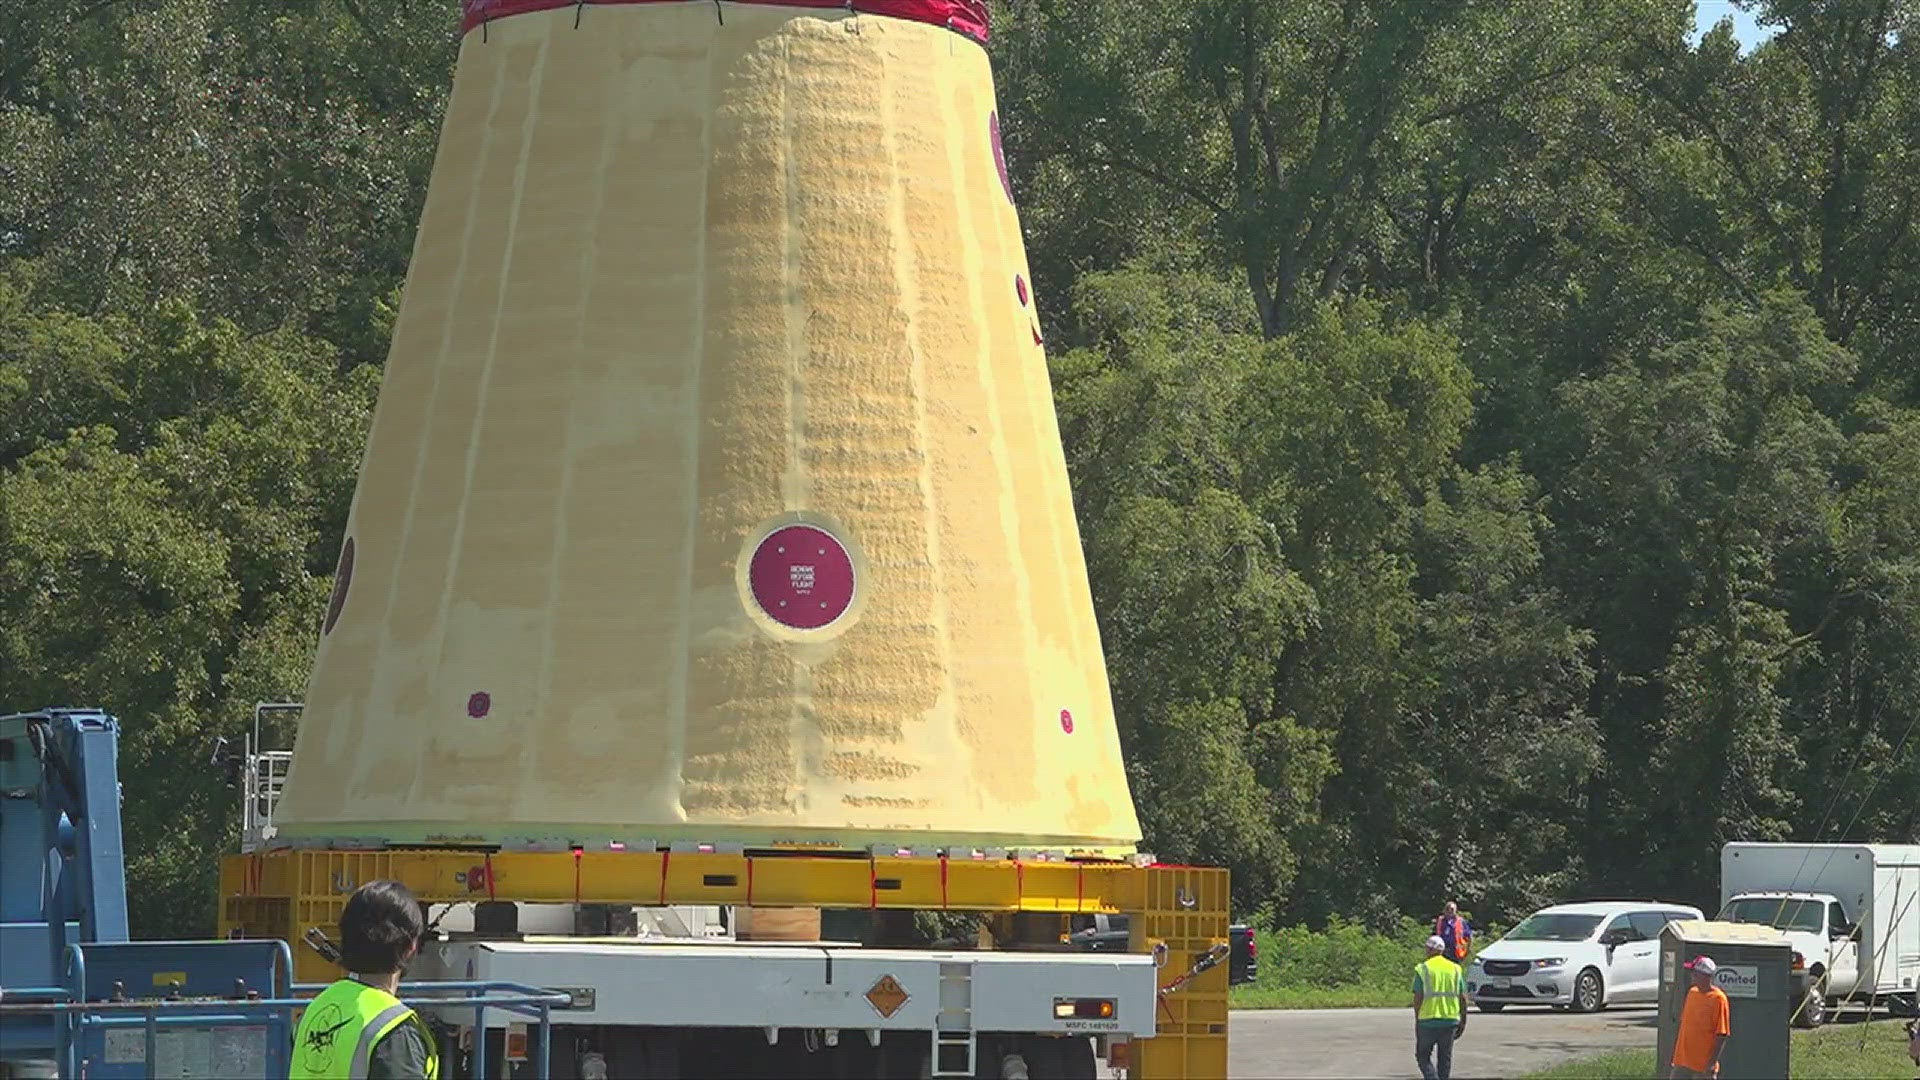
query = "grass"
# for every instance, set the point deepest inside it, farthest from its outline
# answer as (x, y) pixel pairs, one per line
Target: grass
(1836, 1052)
(1345, 966)
(1255, 996)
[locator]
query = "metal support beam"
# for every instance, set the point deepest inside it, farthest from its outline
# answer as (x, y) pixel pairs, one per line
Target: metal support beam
(84, 876)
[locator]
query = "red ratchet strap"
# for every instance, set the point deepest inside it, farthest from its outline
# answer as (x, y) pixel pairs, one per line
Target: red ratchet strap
(943, 881)
(965, 17)
(665, 856)
(576, 877)
(490, 895)
(873, 883)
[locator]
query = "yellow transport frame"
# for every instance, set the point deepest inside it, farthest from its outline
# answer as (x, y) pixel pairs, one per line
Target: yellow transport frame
(285, 892)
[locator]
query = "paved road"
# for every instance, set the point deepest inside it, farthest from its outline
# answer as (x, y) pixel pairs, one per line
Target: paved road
(1379, 1042)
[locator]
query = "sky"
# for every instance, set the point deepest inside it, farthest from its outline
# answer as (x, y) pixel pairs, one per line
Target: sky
(1709, 12)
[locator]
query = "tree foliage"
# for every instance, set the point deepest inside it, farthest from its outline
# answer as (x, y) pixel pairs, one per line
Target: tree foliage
(1559, 365)
(1495, 428)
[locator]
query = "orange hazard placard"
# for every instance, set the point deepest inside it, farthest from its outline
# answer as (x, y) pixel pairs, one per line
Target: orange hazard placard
(887, 996)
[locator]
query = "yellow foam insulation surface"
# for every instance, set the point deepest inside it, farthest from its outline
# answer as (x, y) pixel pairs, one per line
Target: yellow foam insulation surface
(686, 294)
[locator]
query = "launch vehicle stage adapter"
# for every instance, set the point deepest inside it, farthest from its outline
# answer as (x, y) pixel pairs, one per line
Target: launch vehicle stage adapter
(715, 491)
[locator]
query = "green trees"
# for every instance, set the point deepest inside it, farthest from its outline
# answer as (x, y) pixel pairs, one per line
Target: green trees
(205, 208)
(1495, 429)
(172, 503)
(1588, 369)
(1702, 481)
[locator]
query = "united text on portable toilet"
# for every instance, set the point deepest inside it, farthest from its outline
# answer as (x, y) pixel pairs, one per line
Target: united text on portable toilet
(1754, 964)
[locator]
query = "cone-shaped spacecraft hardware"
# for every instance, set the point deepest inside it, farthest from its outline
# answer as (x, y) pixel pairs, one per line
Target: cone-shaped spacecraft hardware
(715, 492)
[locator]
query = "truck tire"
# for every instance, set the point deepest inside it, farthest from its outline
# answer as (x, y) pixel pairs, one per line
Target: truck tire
(1589, 992)
(1811, 1012)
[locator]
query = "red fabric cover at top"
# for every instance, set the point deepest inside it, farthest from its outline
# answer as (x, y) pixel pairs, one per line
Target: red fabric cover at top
(967, 17)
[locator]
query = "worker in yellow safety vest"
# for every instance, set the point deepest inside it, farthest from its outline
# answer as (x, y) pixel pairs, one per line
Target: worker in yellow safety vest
(357, 1029)
(1439, 997)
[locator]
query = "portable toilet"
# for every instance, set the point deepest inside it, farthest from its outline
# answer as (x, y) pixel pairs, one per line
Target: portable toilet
(1755, 964)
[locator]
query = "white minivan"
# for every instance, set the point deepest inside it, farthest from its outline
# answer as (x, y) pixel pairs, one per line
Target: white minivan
(1578, 956)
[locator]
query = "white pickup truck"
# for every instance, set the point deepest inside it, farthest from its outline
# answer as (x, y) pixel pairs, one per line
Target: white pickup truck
(1852, 912)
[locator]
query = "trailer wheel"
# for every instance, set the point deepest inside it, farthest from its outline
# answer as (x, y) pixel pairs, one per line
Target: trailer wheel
(1813, 1007)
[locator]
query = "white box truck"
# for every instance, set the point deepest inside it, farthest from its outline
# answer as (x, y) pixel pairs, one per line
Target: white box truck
(1852, 912)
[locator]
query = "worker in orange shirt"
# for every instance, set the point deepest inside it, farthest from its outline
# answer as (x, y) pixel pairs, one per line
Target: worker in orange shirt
(1703, 1024)
(1455, 931)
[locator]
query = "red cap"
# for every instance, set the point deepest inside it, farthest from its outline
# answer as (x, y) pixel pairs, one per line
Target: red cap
(968, 17)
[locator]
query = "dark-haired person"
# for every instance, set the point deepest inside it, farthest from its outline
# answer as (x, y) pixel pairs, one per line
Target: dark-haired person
(357, 1029)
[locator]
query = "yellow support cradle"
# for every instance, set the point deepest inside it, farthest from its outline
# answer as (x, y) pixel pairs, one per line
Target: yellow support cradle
(283, 893)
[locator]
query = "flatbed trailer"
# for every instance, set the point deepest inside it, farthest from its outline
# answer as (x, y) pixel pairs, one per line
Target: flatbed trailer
(695, 1008)
(876, 1012)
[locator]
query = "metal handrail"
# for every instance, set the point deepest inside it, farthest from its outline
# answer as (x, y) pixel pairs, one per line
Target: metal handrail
(264, 773)
(262, 708)
(48, 995)
(75, 1016)
(263, 777)
(532, 1002)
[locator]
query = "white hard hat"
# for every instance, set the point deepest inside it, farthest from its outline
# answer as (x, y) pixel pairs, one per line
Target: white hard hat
(1436, 943)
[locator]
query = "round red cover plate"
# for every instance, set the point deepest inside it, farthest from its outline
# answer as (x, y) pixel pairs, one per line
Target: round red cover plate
(801, 577)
